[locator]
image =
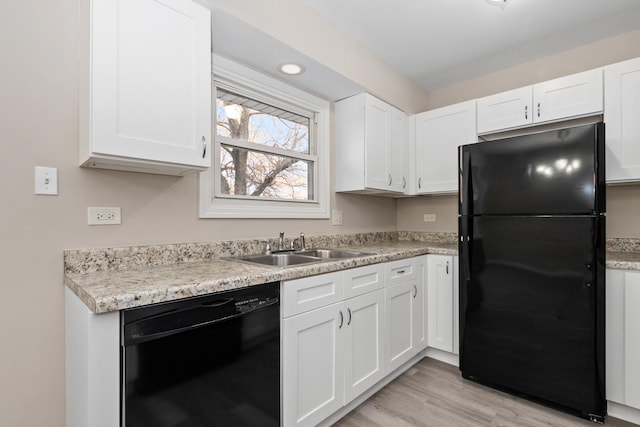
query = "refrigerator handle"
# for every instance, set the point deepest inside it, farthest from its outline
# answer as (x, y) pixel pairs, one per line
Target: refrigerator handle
(464, 181)
(465, 248)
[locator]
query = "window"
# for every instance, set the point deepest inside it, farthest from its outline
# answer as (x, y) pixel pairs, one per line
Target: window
(270, 155)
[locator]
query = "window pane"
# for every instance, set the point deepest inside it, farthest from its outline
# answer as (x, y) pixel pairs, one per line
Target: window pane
(243, 118)
(251, 173)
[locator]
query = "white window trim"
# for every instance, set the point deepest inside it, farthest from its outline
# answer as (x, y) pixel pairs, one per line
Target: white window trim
(222, 207)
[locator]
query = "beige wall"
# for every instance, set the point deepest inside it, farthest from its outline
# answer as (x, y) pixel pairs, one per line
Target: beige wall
(623, 202)
(39, 126)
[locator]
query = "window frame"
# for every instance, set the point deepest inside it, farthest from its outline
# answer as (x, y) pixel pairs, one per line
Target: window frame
(236, 77)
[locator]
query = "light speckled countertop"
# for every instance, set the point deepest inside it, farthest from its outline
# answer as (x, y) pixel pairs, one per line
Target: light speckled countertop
(106, 291)
(145, 275)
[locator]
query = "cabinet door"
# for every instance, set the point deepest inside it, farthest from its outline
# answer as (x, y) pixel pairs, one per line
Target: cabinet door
(505, 110)
(571, 96)
(621, 112)
(150, 93)
(456, 306)
(377, 140)
(440, 302)
(400, 345)
(420, 303)
(364, 360)
(313, 361)
(614, 335)
(632, 339)
(438, 133)
(397, 150)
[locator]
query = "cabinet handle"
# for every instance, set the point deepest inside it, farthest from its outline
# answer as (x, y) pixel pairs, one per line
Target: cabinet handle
(404, 182)
(419, 182)
(400, 271)
(526, 115)
(447, 268)
(349, 321)
(204, 147)
(390, 179)
(341, 320)
(538, 109)
(415, 288)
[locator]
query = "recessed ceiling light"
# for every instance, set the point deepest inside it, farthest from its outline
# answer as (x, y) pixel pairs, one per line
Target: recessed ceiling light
(291, 68)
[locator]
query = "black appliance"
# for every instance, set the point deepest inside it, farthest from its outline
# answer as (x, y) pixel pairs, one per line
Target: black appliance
(532, 267)
(205, 361)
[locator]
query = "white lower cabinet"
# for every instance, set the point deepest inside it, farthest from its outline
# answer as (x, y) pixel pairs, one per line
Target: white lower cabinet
(313, 366)
(623, 341)
(330, 354)
(404, 310)
(363, 334)
(440, 302)
(334, 351)
(442, 306)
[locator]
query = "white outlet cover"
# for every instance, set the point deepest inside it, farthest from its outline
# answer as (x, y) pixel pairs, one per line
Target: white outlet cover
(104, 216)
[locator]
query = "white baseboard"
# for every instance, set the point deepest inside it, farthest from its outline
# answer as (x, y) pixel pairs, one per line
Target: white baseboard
(443, 356)
(623, 412)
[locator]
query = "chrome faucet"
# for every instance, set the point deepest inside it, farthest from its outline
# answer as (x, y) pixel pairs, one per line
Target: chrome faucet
(302, 244)
(281, 244)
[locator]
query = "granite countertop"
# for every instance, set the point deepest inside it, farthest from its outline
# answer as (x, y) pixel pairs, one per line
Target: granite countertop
(109, 280)
(106, 291)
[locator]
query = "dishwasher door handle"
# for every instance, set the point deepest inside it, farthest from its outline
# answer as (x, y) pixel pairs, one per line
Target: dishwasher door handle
(175, 321)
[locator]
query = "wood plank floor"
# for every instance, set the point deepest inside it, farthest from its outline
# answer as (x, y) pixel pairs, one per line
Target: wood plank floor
(433, 393)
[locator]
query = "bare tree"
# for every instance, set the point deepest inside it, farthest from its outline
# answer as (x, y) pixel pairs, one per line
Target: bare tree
(260, 173)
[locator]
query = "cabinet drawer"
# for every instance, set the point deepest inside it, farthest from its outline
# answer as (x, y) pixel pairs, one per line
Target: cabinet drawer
(359, 281)
(309, 293)
(400, 271)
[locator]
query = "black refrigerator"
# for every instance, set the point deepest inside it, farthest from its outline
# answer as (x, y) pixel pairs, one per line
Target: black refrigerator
(532, 267)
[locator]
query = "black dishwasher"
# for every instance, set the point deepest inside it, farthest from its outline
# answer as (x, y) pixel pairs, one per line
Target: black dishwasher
(203, 361)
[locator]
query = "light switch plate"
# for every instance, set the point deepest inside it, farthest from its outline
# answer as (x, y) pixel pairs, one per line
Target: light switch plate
(336, 217)
(46, 181)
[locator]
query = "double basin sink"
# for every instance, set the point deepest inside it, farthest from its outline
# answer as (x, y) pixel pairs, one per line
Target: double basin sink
(291, 259)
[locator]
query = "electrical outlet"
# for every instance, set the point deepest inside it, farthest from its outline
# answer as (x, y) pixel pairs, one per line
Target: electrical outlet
(429, 217)
(336, 217)
(104, 216)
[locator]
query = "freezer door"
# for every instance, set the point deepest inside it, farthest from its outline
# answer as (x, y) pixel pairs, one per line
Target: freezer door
(532, 307)
(547, 173)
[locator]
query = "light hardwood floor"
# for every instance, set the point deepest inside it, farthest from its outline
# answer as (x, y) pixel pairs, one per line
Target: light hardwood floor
(433, 393)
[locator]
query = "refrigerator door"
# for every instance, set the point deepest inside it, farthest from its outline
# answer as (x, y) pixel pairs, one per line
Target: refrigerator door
(531, 307)
(553, 172)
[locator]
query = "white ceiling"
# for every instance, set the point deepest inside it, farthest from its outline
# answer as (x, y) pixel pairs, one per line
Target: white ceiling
(440, 42)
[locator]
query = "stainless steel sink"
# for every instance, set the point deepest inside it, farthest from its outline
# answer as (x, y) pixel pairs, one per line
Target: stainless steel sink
(332, 253)
(278, 260)
(290, 259)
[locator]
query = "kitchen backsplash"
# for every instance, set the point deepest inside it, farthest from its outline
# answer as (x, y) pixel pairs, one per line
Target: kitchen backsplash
(124, 258)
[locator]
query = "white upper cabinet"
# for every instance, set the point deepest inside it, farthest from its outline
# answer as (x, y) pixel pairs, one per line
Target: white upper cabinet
(145, 91)
(437, 135)
(371, 137)
(505, 110)
(566, 97)
(621, 115)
